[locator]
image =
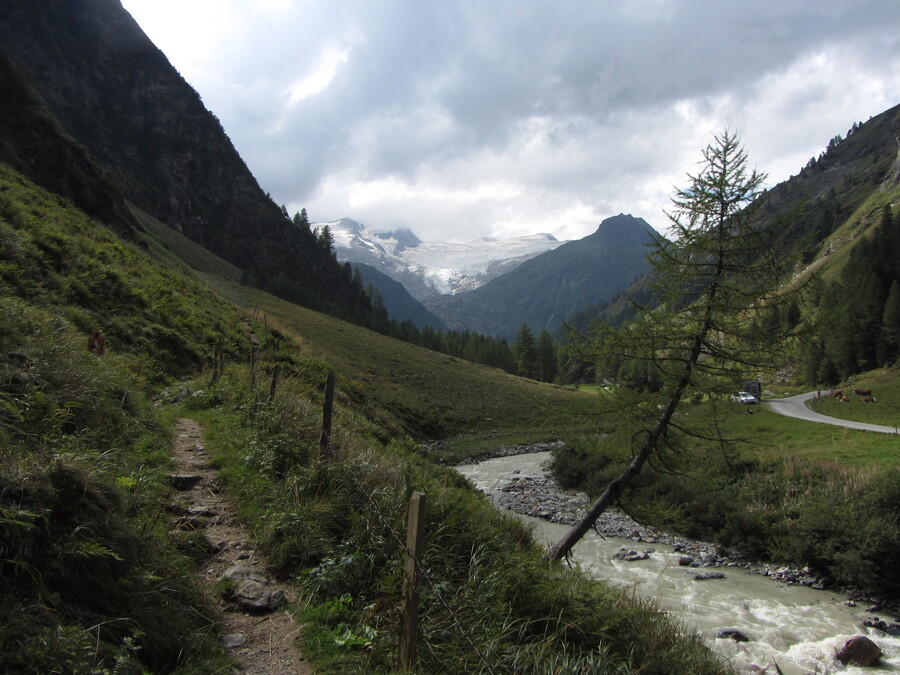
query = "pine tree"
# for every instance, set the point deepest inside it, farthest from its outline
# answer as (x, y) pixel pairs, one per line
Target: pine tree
(890, 323)
(712, 279)
(525, 351)
(301, 220)
(546, 357)
(326, 239)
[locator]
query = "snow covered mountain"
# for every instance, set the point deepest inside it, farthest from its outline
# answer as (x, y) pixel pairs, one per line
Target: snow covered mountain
(429, 269)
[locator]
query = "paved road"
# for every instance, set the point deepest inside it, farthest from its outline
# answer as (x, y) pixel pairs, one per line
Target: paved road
(795, 406)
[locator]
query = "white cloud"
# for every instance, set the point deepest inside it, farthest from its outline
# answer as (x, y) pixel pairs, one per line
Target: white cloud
(322, 74)
(466, 119)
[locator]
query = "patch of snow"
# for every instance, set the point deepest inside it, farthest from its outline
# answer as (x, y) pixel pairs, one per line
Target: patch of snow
(428, 268)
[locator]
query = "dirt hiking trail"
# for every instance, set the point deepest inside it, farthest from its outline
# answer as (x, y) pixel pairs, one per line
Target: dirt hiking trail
(260, 634)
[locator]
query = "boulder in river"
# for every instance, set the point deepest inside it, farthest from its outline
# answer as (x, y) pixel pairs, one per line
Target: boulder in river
(708, 575)
(735, 634)
(630, 555)
(859, 651)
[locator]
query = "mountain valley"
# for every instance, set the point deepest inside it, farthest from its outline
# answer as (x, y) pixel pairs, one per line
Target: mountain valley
(322, 375)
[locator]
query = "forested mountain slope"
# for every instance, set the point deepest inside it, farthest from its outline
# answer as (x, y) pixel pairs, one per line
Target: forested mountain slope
(116, 94)
(543, 291)
(834, 204)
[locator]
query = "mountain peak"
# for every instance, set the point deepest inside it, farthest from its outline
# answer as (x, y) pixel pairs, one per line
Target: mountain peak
(403, 236)
(432, 268)
(623, 227)
(346, 224)
(622, 220)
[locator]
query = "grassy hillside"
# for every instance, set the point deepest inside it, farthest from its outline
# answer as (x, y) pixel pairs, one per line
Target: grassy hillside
(885, 387)
(89, 578)
(432, 395)
(95, 581)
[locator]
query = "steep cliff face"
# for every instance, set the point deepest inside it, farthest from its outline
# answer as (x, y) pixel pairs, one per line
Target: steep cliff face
(33, 143)
(115, 93)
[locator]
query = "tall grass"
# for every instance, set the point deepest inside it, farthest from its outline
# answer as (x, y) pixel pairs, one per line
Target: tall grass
(489, 601)
(88, 579)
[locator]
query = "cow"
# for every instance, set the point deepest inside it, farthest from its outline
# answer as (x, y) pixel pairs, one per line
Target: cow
(862, 392)
(837, 393)
(868, 399)
(845, 399)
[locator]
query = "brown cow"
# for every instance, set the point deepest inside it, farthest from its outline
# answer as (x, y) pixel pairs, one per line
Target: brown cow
(845, 399)
(868, 399)
(837, 393)
(862, 392)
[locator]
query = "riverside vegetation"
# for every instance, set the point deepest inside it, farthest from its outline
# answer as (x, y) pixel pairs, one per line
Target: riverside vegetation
(794, 493)
(92, 579)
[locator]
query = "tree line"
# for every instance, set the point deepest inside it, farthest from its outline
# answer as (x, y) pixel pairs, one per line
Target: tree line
(528, 356)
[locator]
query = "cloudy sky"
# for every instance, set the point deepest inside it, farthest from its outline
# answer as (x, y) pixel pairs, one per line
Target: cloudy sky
(470, 118)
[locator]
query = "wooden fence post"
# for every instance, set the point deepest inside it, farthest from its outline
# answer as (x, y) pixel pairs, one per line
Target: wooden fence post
(415, 527)
(327, 412)
(275, 372)
(217, 361)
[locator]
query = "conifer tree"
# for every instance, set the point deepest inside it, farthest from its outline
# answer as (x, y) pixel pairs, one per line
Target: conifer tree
(890, 323)
(546, 357)
(525, 352)
(713, 278)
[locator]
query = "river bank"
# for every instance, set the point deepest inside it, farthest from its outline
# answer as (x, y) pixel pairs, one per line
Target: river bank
(541, 497)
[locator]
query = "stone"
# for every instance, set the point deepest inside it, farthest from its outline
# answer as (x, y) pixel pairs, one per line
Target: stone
(636, 556)
(181, 481)
(253, 596)
(183, 394)
(234, 640)
(190, 523)
(243, 572)
(630, 555)
(859, 651)
(685, 560)
(708, 575)
(735, 634)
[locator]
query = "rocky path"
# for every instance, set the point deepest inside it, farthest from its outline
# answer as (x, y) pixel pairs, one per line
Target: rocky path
(260, 633)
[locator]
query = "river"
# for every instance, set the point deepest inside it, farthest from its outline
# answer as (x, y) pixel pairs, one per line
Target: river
(796, 627)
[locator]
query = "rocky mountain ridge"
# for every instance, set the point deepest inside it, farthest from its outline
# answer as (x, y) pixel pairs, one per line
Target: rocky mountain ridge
(545, 290)
(430, 269)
